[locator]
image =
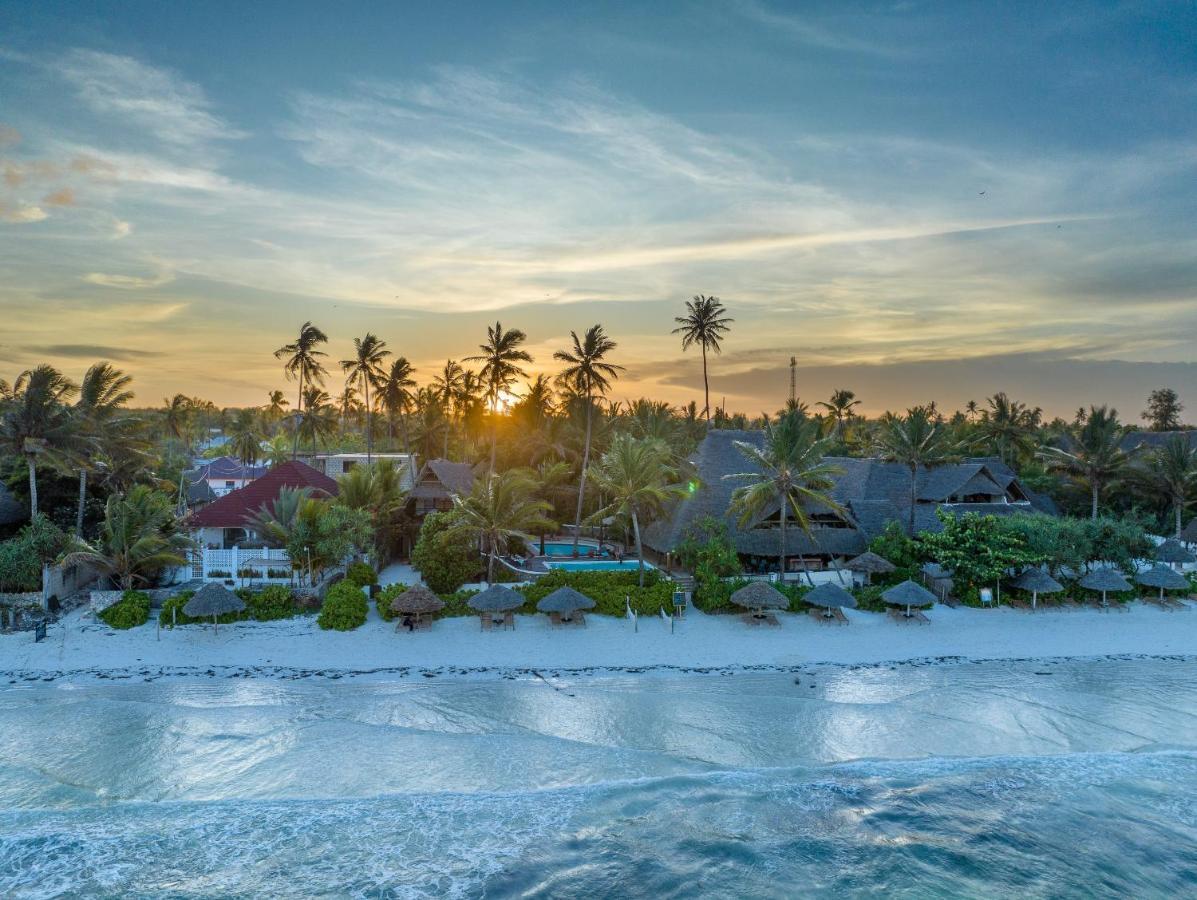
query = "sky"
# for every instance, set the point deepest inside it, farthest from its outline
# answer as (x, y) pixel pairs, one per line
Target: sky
(917, 201)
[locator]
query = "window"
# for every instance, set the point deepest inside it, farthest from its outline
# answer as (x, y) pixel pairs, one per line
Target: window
(348, 464)
(229, 485)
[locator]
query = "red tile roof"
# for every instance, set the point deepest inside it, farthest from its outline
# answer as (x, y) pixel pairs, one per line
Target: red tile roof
(234, 508)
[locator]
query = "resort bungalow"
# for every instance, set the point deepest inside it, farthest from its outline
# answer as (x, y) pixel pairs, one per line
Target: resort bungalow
(334, 465)
(872, 493)
(436, 485)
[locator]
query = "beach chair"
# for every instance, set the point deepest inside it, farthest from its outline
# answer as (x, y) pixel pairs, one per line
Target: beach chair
(555, 619)
(509, 620)
(750, 619)
(838, 617)
(580, 619)
(1019, 603)
(819, 616)
(771, 620)
(485, 622)
(920, 617)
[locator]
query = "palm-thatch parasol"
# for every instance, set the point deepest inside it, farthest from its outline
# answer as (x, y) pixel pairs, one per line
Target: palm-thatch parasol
(870, 564)
(496, 598)
(1171, 551)
(1189, 534)
(1037, 582)
(760, 596)
(564, 600)
(830, 596)
(1105, 580)
(213, 600)
(1162, 577)
(417, 601)
(907, 594)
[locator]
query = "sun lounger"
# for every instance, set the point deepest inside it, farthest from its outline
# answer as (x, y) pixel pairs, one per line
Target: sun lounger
(1018, 603)
(485, 622)
(580, 619)
(555, 619)
(509, 620)
(916, 617)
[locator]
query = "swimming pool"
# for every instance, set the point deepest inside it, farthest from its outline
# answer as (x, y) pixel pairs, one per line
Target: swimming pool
(586, 564)
(559, 548)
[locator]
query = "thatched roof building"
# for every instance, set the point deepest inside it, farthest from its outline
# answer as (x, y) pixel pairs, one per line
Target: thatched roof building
(760, 595)
(564, 600)
(417, 600)
(496, 598)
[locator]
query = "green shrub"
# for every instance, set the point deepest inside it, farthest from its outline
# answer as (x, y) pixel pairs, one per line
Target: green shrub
(131, 610)
(707, 551)
(361, 573)
(445, 561)
(607, 589)
(22, 557)
(344, 607)
(271, 603)
(384, 598)
(172, 613)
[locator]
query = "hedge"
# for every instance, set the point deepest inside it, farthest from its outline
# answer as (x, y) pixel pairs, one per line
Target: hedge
(361, 573)
(607, 589)
(344, 607)
(131, 610)
(273, 602)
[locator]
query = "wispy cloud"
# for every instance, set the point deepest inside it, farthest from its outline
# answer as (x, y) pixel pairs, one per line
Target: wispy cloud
(128, 282)
(95, 351)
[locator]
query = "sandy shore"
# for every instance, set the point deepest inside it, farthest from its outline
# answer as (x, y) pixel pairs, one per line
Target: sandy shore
(79, 649)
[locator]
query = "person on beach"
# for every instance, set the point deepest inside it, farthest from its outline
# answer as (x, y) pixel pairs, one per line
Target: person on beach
(408, 623)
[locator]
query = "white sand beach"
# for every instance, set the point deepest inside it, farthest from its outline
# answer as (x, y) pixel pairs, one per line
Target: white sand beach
(78, 648)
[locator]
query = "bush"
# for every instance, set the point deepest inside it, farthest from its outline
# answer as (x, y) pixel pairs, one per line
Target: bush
(172, 613)
(445, 561)
(707, 551)
(271, 603)
(384, 598)
(607, 589)
(131, 610)
(344, 607)
(218, 573)
(22, 557)
(249, 573)
(362, 574)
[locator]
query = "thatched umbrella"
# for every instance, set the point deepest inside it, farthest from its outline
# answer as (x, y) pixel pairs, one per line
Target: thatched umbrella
(1189, 534)
(564, 600)
(870, 564)
(1162, 577)
(1171, 551)
(759, 596)
(496, 598)
(907, 594)
(213, 600)
(830, 596)
(417, 601)
(1105, 580)
(1037, 582)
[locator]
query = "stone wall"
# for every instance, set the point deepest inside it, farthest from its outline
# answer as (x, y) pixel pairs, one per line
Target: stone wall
(20, 612)
(101, 600)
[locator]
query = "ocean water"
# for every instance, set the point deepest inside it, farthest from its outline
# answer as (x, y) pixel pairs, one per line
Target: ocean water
(1014, 779)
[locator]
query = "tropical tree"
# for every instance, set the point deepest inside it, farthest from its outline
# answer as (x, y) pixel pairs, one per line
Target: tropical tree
(245, 437)
(319, 421)
(588, 373)
(635, 477)
(179, 413)
(275, 522)
(276, 406)
(840, 406)
(789, 473)
(497, 510)
(396, 397)
(1093, 456)
(138, 538)
(918, 441)
(102, 394)
(447, 386)
(301, 362)
(37, 421)
(704, 324)
(1170, 473)
(432, 424)
(501, 357)
(378, 490)
(364, 369)
(1163, 410)
(1008, 427)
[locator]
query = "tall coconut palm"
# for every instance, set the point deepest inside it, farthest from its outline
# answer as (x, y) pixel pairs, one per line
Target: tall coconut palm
(704, 324)
(447, 386)
(432, 425)
(841, 404)
(588, 373)
(498, 509)
(37, 421)
(178, 414)
(1094, 456)
(276, 406)
(319, 422)
(301, 362)
(918, 441)
(789, 473)
(395, 396)
(364, 369)
(138, 539)
(637, 481)
(1170, 473)
(245, 437)
(501, 357)
(1008, 427)
(102, 394)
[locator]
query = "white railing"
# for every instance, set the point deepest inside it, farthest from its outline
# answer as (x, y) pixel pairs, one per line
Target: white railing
(230, 562)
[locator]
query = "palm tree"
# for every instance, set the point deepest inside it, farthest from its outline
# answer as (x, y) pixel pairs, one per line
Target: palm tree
(432, 425)
(319, 422)
(840, 405)
(587, 373)
(275, 522)
(499, 508)
(245, 438)
(501, 356)
(301, 361)
(1008, 426)
(789, 473)
(1170, 473)
(704, 324)
(377, 489)
(138, 538)
(1096, 457)
(179, 413)
(276, 406)
(365, 369)
(637, 480)
(102, 393)
(37, 421)
(917, 441)
(395, 396)
(448, 385)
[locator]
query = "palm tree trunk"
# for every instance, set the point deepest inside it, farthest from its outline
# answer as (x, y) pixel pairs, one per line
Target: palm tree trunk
(32, 486)
(494, 438)
(639, 547)
(582, 480)
(1176, 503)
(406, 436)
(369, 421)
(83, 501)
(706, 385)
(781, 567)
(448, 427)
(1094, 489)
(490, 566)
(298, 417)
(914, 494)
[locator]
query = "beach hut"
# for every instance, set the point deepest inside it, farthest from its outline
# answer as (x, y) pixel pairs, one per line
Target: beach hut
(1037, 582)
(1172, 552)
(565, 605)
(909, 595)
(831, 599)
(1105, 580)
(417, 601)
(1165, 578)
(758, 597)
(213, 600)
(870, 564)
(496, 605)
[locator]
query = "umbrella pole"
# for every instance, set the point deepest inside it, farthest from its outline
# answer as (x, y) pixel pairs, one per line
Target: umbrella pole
(1034, 600)
(215, 624)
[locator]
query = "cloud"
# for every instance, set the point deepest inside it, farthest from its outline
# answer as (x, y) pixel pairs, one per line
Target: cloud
(60, 197)
(804, 30)
(175, 111)
(95, 351)
(128, 282)
(22, 214)
(121, 229)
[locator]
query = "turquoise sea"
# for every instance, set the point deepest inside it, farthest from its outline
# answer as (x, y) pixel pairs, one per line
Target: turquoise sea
(1021, 779)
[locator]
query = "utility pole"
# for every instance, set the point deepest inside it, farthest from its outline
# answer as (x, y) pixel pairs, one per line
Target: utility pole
(793, 379)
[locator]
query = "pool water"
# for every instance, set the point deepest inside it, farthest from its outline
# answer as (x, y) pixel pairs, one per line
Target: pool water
(567, 549)
(603, 564)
